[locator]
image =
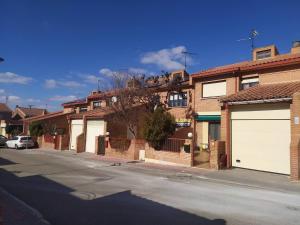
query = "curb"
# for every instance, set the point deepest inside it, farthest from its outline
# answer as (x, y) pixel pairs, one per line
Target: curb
(33, 211)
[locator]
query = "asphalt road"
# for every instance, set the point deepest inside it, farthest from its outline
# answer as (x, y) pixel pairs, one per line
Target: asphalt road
(67, 189)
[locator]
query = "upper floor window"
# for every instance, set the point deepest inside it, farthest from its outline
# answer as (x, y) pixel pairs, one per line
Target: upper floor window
(177, 99)
(249, 82)
(82, 109)
(214, 89)
(97, 104)
(263, 54)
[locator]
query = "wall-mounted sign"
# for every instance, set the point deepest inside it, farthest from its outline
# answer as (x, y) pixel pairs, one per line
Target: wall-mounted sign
(182, 122)
(296, 120)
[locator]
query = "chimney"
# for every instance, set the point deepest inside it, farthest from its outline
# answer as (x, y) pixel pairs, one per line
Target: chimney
(296, 47)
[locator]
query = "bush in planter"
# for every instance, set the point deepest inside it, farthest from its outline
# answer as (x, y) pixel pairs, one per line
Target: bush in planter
(158, 126)
(36, 129)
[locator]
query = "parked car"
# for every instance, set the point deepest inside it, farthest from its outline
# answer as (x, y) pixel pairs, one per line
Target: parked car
(20, 142)
(3, 140)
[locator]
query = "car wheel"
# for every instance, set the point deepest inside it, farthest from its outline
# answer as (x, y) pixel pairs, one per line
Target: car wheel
(16, 147)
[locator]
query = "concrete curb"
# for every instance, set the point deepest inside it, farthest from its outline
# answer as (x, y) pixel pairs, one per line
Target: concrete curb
(33, 211)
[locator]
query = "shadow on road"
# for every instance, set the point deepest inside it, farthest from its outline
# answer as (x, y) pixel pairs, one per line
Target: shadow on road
(6, 162)
(60, 207)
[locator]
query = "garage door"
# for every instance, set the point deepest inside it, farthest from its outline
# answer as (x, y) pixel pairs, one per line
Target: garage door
(76, 129)
(94, 129)
(261, 137)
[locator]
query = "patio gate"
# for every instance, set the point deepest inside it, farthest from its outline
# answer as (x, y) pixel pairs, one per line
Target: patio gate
(101, 145)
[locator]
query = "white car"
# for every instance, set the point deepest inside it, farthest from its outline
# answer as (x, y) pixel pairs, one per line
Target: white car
(20, 142)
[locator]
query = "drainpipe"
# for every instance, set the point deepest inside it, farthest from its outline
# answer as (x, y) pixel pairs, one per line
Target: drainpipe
(228, 136)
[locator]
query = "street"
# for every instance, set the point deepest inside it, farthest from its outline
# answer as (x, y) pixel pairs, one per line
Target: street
(67, 189)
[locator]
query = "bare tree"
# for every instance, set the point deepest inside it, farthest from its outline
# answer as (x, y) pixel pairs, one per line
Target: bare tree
(131, 100)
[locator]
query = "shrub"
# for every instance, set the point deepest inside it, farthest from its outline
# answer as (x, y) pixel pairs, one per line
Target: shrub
(13, 129)
(158, 126)
(36, 129)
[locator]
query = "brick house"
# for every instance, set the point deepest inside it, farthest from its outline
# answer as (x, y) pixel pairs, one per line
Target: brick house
(176, 94)
(93, 117)
(56, 129)
(252, 107)
(5, 115)
(14, 118)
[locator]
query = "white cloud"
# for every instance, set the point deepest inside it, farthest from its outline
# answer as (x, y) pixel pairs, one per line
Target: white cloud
(8, 77)
(33, 100)
(11, 99)
(137, 70)
(89, 78)
(62, 98)
(107, 72)
(51, 83)
(168, 58)
(70, 84)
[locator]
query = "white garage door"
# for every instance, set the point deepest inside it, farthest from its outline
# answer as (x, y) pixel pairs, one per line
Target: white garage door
(76, 129)
(261, 137)
(94, 129)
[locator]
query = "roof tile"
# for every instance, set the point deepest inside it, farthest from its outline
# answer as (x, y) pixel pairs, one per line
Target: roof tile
(265, 92)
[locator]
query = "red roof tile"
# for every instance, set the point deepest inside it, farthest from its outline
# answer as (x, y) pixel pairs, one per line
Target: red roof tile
(30, 112)
(279, 60)
(4, 108)
(265, 92)
(47, 116)
(96, 113)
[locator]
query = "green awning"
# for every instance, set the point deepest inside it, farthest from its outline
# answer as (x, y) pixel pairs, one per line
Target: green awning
(208, 118)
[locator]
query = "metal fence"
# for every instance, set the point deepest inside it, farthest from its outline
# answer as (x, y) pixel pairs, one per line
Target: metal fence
(121, 144)
(173, 144)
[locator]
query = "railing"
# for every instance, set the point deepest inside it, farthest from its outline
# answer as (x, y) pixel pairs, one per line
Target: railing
(121, 144)
(172, 145)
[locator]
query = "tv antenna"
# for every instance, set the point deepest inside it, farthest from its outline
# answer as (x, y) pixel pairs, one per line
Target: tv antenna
(186, 53)
(252, 35)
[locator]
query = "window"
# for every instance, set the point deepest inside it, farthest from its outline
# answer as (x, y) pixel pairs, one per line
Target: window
(248, 82)
(82, 109)
(177, 99)
(96, 104)
(214, 89)
(214, 131)
(25, 138)
(263, 54)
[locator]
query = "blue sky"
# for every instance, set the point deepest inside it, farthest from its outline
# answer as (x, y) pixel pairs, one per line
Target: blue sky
(55, 51)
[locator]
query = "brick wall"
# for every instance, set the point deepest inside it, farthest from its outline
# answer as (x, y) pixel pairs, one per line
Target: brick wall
(161, 156)
(217, 155)
(212, 104)
(295, 138)
(130, 153)
(280, 75)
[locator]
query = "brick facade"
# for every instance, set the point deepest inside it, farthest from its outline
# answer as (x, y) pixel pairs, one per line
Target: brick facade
(130, 153)
(161, 156)
(295, 137)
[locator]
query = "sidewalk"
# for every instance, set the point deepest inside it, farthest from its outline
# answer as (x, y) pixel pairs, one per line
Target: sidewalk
(234, 176)
(15, 212)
